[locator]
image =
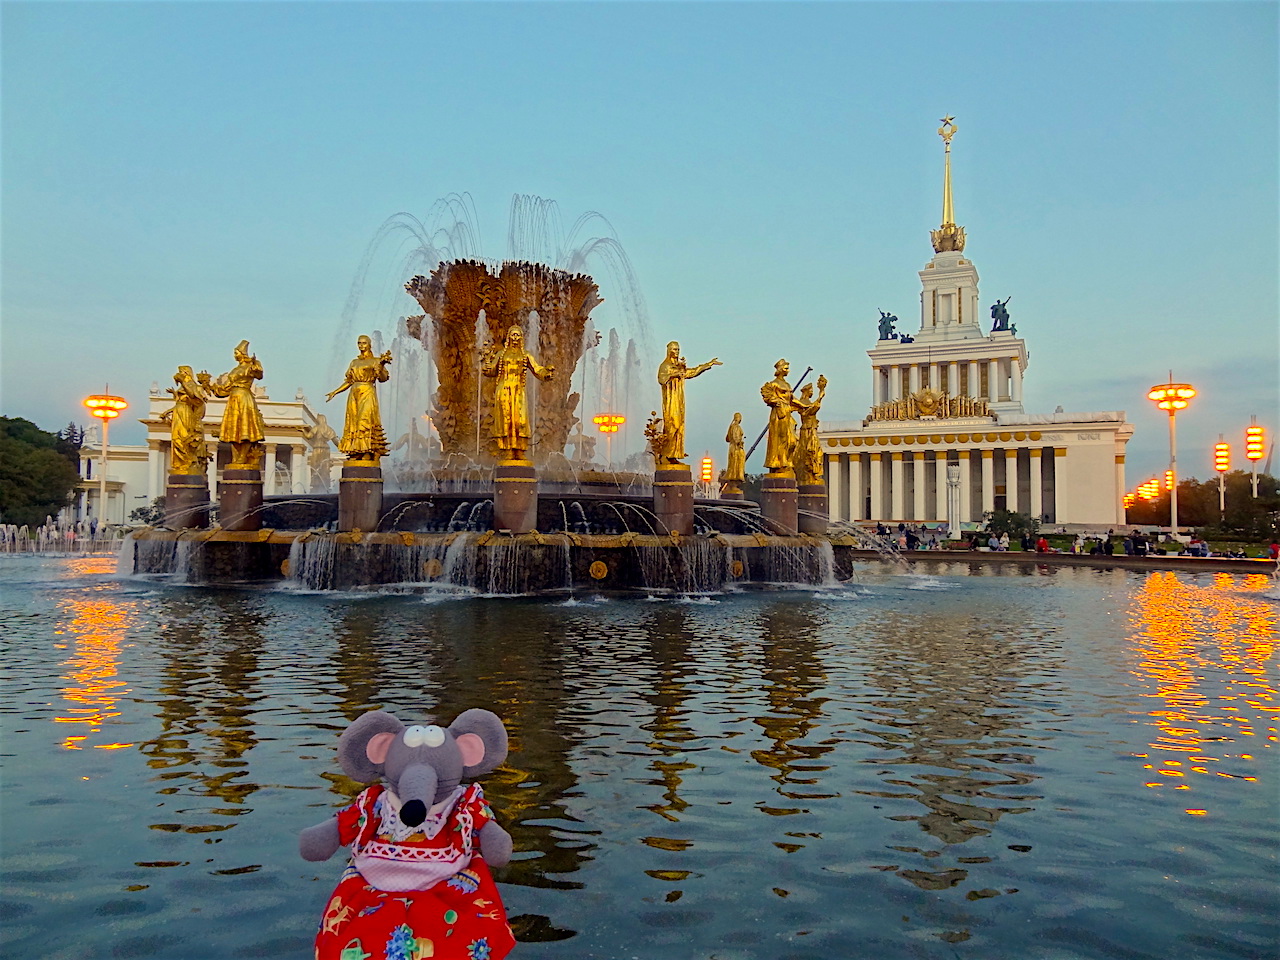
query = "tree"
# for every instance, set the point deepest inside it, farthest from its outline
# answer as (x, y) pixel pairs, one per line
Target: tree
(36, 477)
(1014, 524)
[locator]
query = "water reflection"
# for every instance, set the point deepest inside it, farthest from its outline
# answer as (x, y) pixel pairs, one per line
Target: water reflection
(98, 626)
(954, 730)
(1205, 651)
(208, 698)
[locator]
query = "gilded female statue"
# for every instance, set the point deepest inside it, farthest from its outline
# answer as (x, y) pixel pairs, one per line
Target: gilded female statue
(672, 374)
(782, 428)
(809, 449)
(362, 436)
(242, 424)
(188, 453)
(509, 363)
(734, 473)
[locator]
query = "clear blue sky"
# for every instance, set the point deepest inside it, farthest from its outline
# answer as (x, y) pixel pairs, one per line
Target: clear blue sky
(177, 176)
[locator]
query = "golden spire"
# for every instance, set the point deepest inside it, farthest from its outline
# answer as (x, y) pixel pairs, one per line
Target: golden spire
(948, 236)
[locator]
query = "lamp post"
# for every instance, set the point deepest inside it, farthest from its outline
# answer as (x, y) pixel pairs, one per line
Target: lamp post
(1172, 397)
(608, 424)
(106, 408)
(1253, 444)
(1222, 463)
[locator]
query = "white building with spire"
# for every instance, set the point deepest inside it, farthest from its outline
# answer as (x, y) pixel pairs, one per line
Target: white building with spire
(947, 419)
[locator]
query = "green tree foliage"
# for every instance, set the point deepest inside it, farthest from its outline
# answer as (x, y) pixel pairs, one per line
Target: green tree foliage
(1014, 524)
(37, 475)
(1245, 518)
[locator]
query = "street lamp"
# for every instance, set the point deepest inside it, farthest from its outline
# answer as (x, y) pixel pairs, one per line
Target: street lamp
(106, 408)
(1253, 444)
(608, 424)
(1222, 463)
(1172, 397)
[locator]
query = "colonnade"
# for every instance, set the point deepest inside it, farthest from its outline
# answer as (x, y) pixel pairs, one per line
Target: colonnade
(911, 484)
(995, 380)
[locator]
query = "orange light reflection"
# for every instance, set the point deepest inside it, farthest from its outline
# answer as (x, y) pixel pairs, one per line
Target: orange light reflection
(98, 628)
(1205, 650)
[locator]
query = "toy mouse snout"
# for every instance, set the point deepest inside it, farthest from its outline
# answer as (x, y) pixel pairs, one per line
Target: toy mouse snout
(417, 789)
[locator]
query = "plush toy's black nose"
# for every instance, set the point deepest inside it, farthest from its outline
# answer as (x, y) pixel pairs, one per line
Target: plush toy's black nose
(413, 813)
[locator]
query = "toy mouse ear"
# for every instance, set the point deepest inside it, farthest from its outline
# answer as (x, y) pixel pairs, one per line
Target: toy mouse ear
(362, 748)
(482, 739)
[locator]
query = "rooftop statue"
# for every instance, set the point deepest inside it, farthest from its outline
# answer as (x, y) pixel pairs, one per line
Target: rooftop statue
(187, 449)
(362, 434)
(672, 373)
(808, 460)
(508, 364)
(1000, 315)
(887, 320)
(242, 424)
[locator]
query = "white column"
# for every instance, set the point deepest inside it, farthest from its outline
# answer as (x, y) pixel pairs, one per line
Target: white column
(856, 499)
(917, 476)
(1119, 490)
(1016, 369)
(966, 492)
(1036, 507)
(897, 511)
(975, 381)
(876, 467)
(993, 380)
(895, 382)
(953, 381)
(1011, 479)
(940, 484)
(155, 471)
(988, 481)
(1063, 483)
(269, 469)
(913, 377)
(834, 493)
(935, 375)
(877, 385)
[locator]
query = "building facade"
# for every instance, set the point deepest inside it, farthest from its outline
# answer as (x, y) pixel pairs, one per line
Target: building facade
(947, 437)
(299, 456)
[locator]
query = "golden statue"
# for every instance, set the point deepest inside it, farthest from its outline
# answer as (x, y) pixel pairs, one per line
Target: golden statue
(362, 436)
(808, 460)
(672, 374)
(319, 459)
(509, 363)
(782, 429)
(188, 452)
(734, 473)
(242, 425)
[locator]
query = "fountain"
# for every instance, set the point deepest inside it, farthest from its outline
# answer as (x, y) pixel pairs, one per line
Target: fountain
(484, 496)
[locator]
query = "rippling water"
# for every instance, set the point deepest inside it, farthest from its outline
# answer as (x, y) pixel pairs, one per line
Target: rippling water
(1062, 763)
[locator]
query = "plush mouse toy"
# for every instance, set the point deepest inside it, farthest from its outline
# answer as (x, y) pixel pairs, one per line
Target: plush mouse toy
(418, 884)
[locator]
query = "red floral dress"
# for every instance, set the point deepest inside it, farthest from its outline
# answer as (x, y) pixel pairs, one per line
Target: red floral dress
(434, 895)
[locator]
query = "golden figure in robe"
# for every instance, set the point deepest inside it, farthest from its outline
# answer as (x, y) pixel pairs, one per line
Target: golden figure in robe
(672, 373)
(734, 473)
(188, 452)
(808, 460)
(509, 364)
(362, 434)
(781, 432)
(242, 424)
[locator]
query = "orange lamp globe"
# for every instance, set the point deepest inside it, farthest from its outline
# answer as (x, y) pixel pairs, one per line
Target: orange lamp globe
(608, 422)
(104, 406)
(1222, 457)
(1171, 396)
(1253, 442)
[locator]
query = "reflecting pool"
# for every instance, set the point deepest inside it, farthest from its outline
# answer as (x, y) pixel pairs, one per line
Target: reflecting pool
(1047, 763)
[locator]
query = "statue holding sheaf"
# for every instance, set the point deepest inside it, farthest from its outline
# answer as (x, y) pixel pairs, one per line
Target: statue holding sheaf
(188, 452)
(509, 365)
(242, 425)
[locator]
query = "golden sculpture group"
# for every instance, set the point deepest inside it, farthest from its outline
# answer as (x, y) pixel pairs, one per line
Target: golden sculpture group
(784, 449)
(928, 402)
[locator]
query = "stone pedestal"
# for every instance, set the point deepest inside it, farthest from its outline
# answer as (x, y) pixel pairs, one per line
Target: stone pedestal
(359, 497)
(240, 500)
(673, 498)
(515, 496)
(186, 501)
(812, 512)
(779, 501)
(732, 490)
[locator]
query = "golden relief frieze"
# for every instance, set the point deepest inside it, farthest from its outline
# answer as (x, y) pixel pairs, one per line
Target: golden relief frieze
(930, 404)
